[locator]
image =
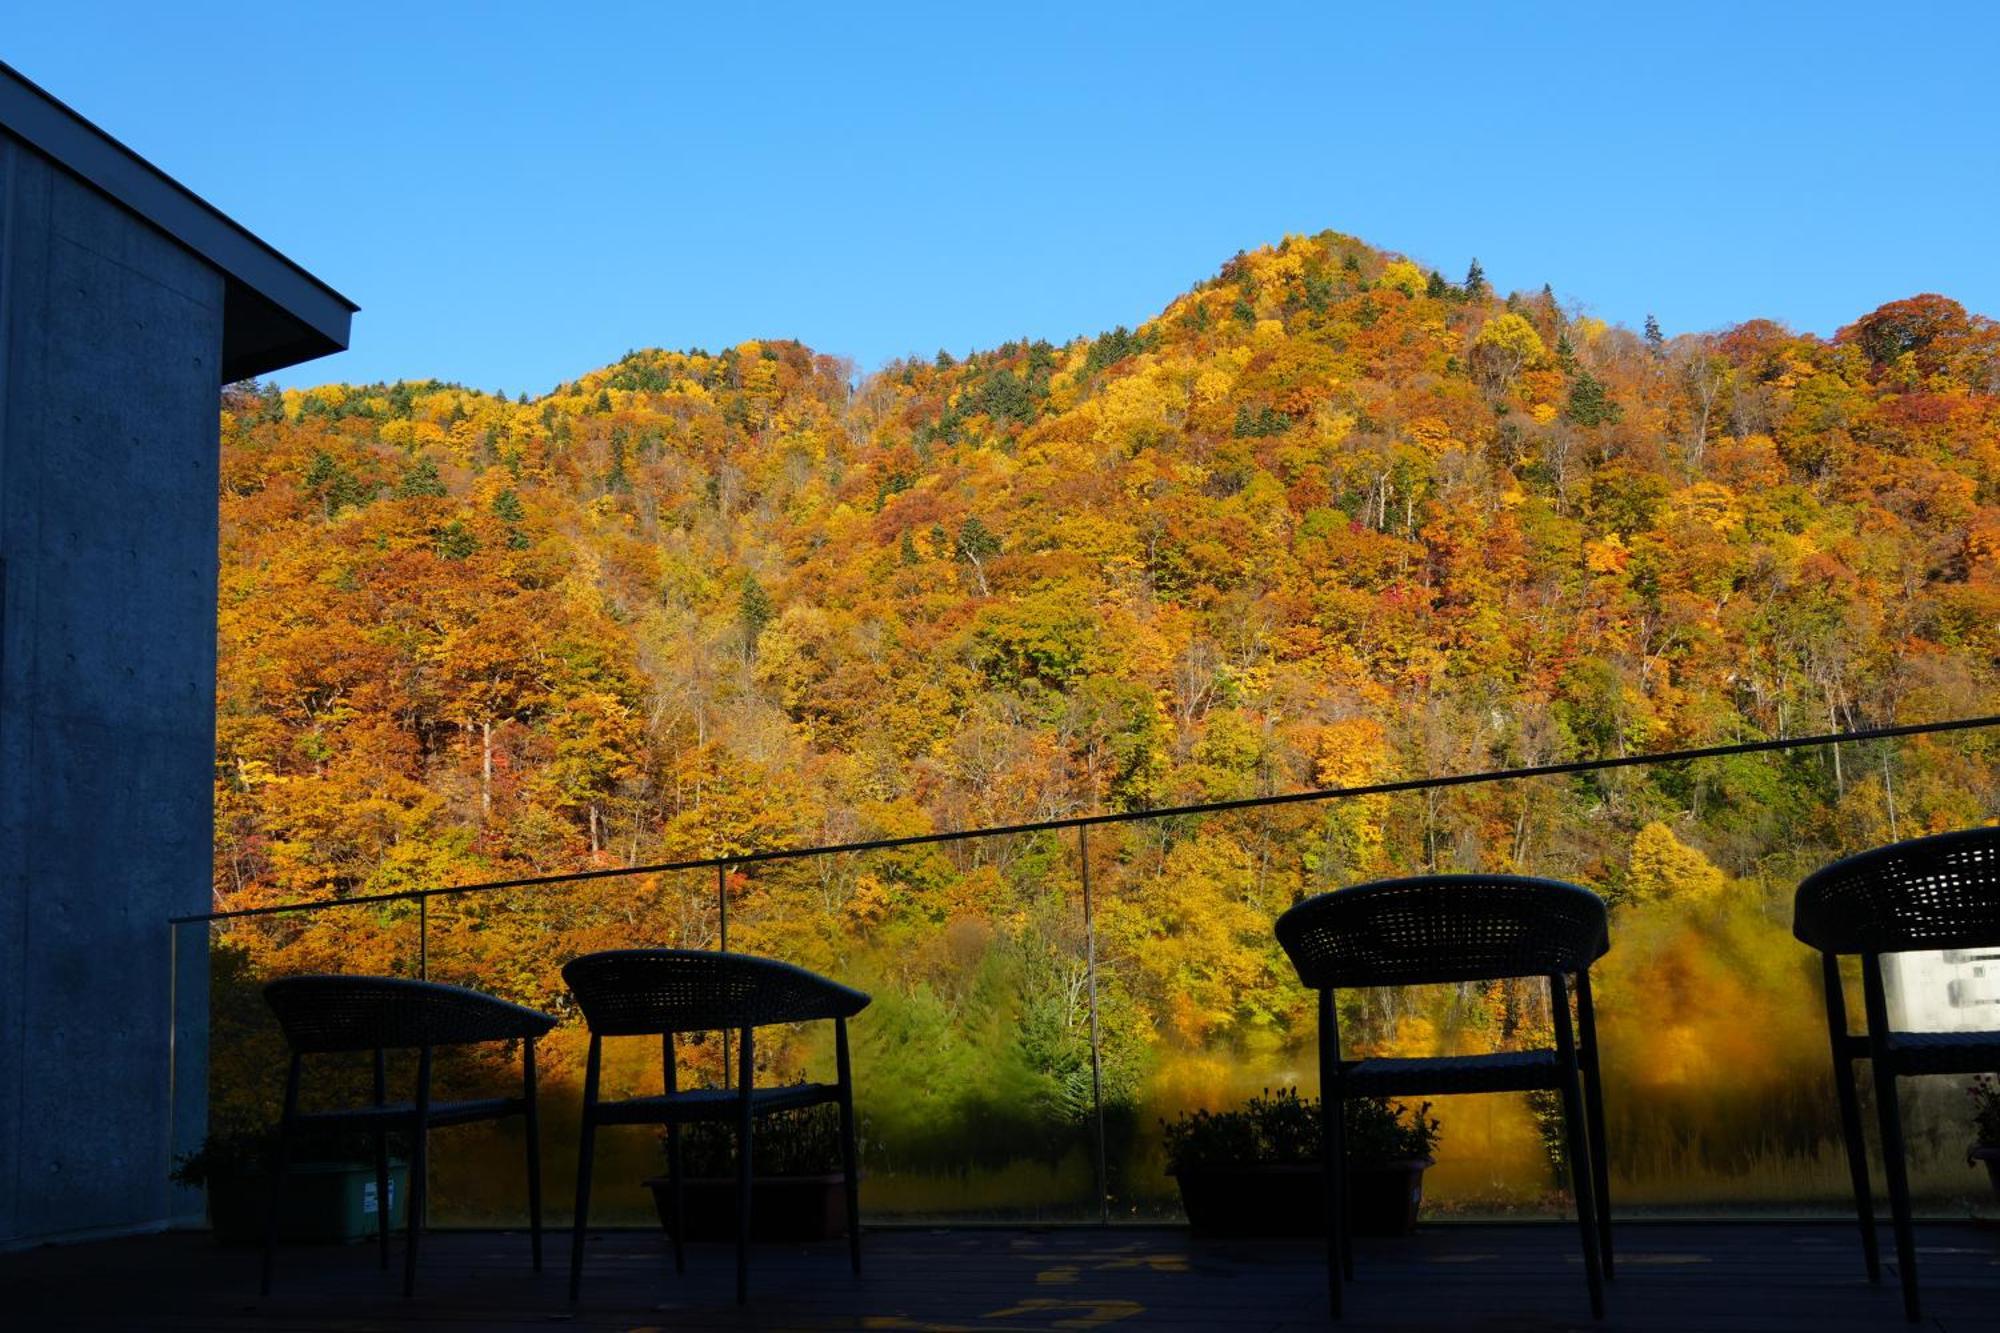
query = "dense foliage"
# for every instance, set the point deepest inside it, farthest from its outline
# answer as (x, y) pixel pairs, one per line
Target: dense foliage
(1325, 520)
(790, 1143)
(1984, 1091)
(1283, 1129)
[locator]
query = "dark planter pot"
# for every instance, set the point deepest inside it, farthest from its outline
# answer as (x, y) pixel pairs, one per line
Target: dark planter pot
(1991, 1157)
(781, 1207)
(1291, 1200)
(324, 1203)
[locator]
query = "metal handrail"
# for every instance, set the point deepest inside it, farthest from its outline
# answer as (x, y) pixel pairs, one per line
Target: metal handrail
(727, 862)
(1081, 823)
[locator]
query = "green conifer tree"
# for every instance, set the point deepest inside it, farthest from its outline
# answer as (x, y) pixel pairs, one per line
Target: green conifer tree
(421, 480)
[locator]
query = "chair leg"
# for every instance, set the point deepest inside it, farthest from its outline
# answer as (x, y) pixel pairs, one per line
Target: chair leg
(850, 1156)
(1891, 1115)
(1593, 1108)
(382, 1209)
(1333, 1151)
(420, 1128)
(745, 1119)
(1576, 1147)
(278, 1170)
(532, 1113)
(1850, 1115)
(1899, 1184)
(586, 1150)
(670, 1080)
(676, 1176)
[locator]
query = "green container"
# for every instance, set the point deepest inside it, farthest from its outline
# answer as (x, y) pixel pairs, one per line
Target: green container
(324, 1203)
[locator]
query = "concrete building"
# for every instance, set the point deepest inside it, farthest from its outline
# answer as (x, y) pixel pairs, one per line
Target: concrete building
(125, 304)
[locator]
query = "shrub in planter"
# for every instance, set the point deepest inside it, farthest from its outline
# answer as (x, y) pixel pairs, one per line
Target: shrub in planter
(1256, 1171)
(330, 1186)
(1985, 1093)
(797, 1189)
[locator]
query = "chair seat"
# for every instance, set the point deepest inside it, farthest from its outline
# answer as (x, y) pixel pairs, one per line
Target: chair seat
(718, 1104)
(1441, 1075)
(1944, 1052)
(398, 1115)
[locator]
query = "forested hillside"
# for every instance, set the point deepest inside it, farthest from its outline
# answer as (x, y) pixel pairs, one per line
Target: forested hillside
(1327, 519)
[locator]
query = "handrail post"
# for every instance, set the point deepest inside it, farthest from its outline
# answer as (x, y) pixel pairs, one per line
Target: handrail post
(722, 945)
(1096, 1045)
(423, 937)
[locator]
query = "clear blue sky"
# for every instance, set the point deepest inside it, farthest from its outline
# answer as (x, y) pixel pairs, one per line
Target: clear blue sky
(518, 193)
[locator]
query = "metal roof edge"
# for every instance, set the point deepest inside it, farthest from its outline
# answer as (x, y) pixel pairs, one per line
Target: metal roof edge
(32, 115)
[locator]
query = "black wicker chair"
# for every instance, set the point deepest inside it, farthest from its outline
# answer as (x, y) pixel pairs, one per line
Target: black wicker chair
(661, 992)
(1941, 892)
(1451, 928)
(335, 1014)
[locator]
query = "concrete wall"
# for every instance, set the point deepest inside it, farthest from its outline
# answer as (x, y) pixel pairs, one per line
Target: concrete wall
(110, 344)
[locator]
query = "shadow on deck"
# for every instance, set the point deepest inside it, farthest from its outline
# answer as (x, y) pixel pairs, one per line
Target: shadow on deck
(1671, 1276)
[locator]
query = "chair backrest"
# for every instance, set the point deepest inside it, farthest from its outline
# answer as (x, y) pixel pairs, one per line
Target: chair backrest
(1940, 892)
(339, 1013)
(630, 992)
(1442, 928)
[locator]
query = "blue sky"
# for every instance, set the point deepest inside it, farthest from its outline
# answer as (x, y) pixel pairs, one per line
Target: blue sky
(519, 193)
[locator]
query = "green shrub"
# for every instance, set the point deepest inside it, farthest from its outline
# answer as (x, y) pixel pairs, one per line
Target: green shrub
(790, 1143)
(1985, 1093)
(1281, 1129)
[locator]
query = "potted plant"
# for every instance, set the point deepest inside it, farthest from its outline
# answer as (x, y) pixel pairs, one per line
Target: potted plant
(1985, 1127)
(797, 1189)
(1257, 1171)
(330, 1186)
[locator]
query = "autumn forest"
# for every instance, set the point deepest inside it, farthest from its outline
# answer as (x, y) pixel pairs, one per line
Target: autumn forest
(1330, 518)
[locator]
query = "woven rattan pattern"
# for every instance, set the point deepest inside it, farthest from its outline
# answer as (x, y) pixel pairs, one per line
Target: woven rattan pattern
(336, 1013)
(631, 992)
(1941, 892)
(1442, 928)
(1945, 1052)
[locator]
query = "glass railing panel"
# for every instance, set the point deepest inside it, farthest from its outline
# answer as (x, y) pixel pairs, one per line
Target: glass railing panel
(982, 1080)
(966, 1063)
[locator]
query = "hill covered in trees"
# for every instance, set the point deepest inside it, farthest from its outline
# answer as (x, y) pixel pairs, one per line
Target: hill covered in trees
(1327, 519)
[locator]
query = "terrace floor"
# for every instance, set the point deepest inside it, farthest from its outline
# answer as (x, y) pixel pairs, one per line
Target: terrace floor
(1677, 1276)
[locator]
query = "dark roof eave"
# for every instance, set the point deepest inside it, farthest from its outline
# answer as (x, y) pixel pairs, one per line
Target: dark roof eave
(277, 313)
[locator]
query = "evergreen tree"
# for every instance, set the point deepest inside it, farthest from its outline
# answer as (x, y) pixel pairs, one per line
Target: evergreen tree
(1436, 286)
(615, 481)
(975, 545)
(976, 541)
(1590, 404)
(754, 609)
(333, 485)
(455, 541)
(1475, 282)
(421, 480)
(507, 507)
(1654, 338)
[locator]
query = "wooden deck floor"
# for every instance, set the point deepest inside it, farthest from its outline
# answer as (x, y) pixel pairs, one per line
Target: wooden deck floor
(1516, 1277)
